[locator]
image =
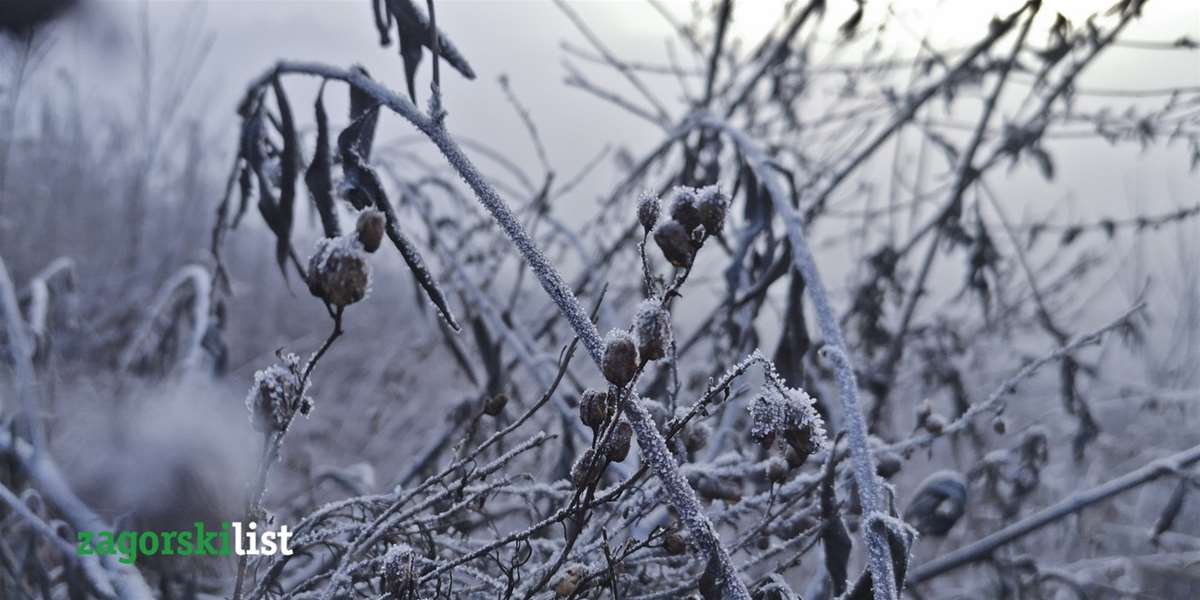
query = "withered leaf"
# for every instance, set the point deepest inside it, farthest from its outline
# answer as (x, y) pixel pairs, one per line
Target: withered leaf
(318, 177)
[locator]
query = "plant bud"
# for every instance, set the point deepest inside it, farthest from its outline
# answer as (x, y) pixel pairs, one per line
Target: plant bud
(338, 271)
(370, 229)
(494, 405)
(684, 207)
(587, 469)
(647, 211)
(619, 363)
(676, 245)
(712, 204)
(652, 324)
(593, 408)
(777, 470)
(619, 442)
(276, 395)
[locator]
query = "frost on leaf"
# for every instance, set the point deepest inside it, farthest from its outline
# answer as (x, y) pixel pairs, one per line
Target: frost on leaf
(790, 414)
(277, 395)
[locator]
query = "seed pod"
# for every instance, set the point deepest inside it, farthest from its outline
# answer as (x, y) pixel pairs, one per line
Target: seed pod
(619, 363)
(593, 408)
(675, 543)
(888, 464)
(935, 424)
(696, 435)
(494, 405)
(676, 245)
(652, 324)
(647, 211)
(999, 426)
(370, 229)
(684, 207)
(712, 204)
(587, 469)
(777, 469)
(338, 271)
(620, 441)
(276, 395)
(569, 582)
(398, 576)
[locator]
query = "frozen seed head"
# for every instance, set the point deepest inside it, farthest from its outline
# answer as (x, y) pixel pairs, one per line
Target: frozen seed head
(370, 229)
(675, 242)
(696, 435)
(338, 271)
(777, 469)
(790, 414)
(675, 543)
(594, 408)
(494, 405)
(619, 362)
(587, 469)
(398, 575)
(647, 210)
(620, 442)
(277, 395)
(685, 208)
(713, 205)
(652, 323)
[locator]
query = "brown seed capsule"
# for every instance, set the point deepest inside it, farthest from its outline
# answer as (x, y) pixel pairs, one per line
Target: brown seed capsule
(684, 207)
(695, 435)
(494, 405)
(675, 543)
(338, 271)
(777, 469)
(935, 424)
(675, 243)
(587, 469)
(619, 363)
(652, 324)
(712, 205)
(593, 408)
(619, 443)
(647, 211)
(999, 426)
(370, 229)
(888, 464)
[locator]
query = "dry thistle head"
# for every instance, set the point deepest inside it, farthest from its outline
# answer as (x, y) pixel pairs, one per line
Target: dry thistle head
(338, 271)
(620, 359)
(675, 242)
(620, 442)
(277, 395)
(594, 408)
(713, 205)
(370, 229)
(652, 323)
(647, 211)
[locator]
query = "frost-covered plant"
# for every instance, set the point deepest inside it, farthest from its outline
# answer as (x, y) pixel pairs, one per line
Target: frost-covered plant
(278, 394)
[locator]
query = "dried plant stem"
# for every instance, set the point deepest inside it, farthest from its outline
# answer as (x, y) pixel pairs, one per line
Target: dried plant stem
(983, 548)
(879, 554)
(653, 447)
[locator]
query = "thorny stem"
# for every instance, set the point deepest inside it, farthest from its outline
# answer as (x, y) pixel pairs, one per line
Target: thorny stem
(653, 447)
(879, 552)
